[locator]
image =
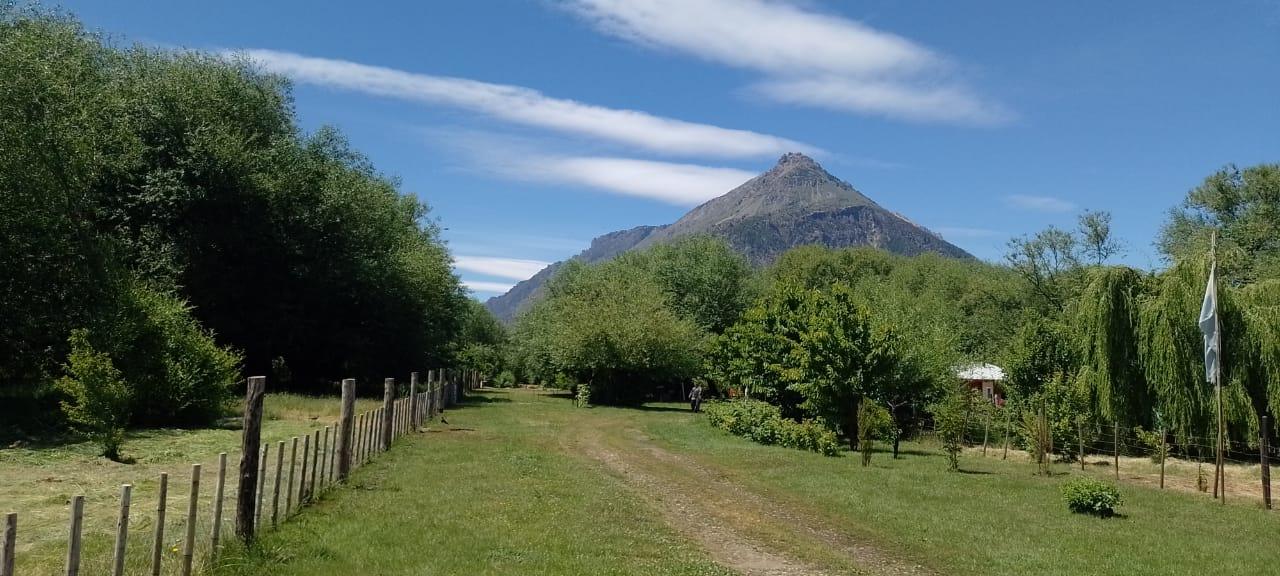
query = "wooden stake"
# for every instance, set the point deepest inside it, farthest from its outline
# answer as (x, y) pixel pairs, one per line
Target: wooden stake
(157, 545)
(1115, 441)
(218, 491)
(74, 541)
(1008, 429)
(315, 464)
(324, 462)
(1263, 450)
(275, 491)
(249, 452)
(10, 544)
(262, 486)
(388, 411)
(1080, 438)
(122, 531)
(333, 454)
(1164, 453)
(346, 428)
(189, 547)
(413, 401)
(293, 465)
(302, 476)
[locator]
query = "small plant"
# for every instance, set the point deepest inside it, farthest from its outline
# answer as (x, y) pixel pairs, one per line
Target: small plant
(1155, 442)
(950, 415)
(583, 396)
(1090, 496)
(873, 422)
(98, 400)
(763, 423)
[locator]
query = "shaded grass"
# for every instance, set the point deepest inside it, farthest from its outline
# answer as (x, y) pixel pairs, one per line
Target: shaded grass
(491, 493)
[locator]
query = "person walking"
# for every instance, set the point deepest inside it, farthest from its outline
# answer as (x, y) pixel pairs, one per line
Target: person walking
(695, 397)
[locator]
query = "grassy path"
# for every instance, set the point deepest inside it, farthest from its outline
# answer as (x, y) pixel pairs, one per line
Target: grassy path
(521, 482)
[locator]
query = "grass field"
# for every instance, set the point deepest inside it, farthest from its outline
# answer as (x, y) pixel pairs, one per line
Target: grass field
(520, 482)
(38, 482)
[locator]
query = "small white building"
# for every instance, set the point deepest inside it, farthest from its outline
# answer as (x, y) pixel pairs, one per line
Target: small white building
(986, 378)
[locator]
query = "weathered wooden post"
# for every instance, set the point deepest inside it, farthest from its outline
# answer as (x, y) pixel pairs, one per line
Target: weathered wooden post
(302, 477)
(73, 539)
(324, 459)
(218, 491)
(250, 442)
(1080, 440)
(388, 411)
(293, 465)
(413, 401)
(1115, 441)
(275, 490)
(986, 431)
(1263, 450)
(10, 544)
(315, 464)
(346, 430)
(262, 486)
(1164, 453)
(157, 544)
(122, 531)
(189, 545)
(1008, 429)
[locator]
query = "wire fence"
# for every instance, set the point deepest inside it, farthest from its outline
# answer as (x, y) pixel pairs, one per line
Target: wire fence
(177, 522)
(1157, 458)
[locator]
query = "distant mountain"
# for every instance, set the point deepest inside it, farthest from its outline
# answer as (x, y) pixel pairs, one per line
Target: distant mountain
(795, 203)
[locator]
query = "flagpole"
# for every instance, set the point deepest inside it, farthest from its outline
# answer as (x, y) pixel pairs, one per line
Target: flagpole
(1221, 479)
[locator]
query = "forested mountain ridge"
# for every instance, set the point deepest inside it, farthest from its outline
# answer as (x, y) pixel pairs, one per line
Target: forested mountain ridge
(795, 203)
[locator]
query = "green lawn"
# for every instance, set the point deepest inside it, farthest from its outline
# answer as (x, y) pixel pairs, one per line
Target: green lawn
(513, 488)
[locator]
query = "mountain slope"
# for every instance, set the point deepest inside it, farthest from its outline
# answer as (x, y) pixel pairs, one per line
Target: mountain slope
(795, 203)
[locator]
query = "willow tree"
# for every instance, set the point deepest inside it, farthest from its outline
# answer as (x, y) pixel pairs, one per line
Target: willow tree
(1260, 304)
(1107, 320)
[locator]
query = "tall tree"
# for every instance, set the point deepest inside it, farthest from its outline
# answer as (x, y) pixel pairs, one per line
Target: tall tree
(1243, 206)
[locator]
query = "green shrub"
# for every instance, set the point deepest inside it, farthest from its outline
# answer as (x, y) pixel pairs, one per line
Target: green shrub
(950, 416)
(98, 400)
(505, 379)
(763, 423)
(1090, 496)
(873, 422)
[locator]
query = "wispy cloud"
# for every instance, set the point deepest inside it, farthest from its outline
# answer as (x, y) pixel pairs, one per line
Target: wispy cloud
(488, 287)
(963, 232)
(807, 57)
(1041, 203)
(529, 107)
(513, 268)
(679, 184)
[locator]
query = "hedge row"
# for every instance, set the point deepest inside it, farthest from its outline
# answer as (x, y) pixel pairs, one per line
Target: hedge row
(763, 423)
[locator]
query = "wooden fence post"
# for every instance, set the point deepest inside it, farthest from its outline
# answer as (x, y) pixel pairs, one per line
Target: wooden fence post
(275, 491)
(122, 531)
(249, 450)
(1008, 429)
(986, 431)
(413, 402)
(74, 538)
(218, 491)
(332, 451)
(302, 478)
(1080, 440)
(293, 465)
(10, 544)
(1164, 453)
(157, 545)
(315, 463)
(346, 431)
(189, 547)
(388, 411)
(262, 486)
(324, 462)
(1115, 441)
(1263, 450)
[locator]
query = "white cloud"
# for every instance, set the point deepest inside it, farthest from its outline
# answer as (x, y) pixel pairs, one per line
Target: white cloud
(807, 57)
(1041, 203)
(529, 107)
(491, 287)
(679, 184)
(963, 232)
(513, 268)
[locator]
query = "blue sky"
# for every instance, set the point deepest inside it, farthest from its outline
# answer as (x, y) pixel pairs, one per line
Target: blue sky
(532, 126)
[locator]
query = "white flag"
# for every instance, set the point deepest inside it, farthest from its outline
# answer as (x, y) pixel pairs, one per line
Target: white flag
(1209, 326)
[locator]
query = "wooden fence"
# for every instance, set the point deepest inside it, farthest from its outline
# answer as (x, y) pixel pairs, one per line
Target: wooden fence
(263, 494)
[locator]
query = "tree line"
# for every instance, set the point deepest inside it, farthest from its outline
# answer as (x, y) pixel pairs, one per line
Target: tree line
(826, 335)
(163, 213)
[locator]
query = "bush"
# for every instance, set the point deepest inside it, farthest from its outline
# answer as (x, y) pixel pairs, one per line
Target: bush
(505, 379)
(763, 423)
(1090, 496)
(873, 422)
(950, 415)
(98, 401)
